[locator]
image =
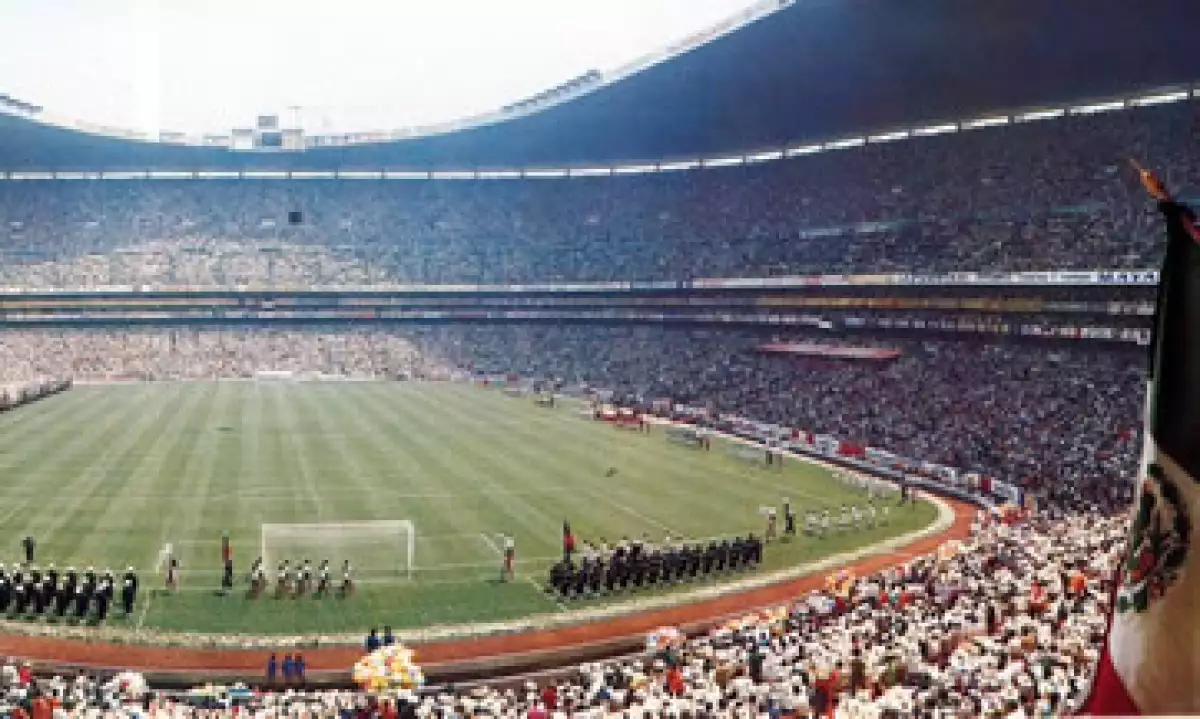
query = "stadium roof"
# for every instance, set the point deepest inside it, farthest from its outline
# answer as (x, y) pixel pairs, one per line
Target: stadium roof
(813, 70)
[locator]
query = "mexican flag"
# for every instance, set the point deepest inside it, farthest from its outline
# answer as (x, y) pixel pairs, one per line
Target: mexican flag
(1151, 659)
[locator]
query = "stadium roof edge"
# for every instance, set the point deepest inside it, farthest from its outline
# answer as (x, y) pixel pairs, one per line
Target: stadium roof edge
(803, 75)
(564, 92)
(757, 155)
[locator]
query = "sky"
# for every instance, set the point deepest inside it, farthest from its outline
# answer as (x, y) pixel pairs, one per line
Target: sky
(352, 65)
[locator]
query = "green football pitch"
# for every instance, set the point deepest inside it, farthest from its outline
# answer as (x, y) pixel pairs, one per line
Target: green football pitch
(106, 475)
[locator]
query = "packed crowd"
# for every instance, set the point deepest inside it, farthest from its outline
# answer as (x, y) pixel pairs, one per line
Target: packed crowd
(179, 353)
(1032, 415)
(1037, 195)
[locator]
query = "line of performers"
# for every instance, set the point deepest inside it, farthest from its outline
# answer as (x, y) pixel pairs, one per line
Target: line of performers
(818, 523)
(28, 590)
(301, 579)
(639, 563)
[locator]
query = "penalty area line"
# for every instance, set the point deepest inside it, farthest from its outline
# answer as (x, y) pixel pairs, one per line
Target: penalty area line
(142, 614)
(491, 544)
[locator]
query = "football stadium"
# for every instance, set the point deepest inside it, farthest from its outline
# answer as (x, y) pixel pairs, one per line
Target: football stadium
(836, 359)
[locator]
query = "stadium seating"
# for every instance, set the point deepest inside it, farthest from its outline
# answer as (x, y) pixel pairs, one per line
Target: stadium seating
(1046, 194)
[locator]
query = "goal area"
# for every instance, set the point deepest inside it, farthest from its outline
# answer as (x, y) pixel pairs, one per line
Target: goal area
(380, 548)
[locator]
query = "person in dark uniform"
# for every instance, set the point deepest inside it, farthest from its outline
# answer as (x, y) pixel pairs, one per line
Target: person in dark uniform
(789, 519)
(31, 589)
(132, 579)
(69, 589)
(109, 584)
(227, 578)
(579, 580)
(62, 599)
(612, 574)
(52, 574)
(103, 597)
(306, 577)
(323, 578)
(128, 594)
(29, 592)
(5, 589)
(653, 566)
(256, 573)
(281, 579)
(596, 580)
(756, 549)
(620, 565)
(19, 598)
(29, 546)
(83, 597)
(43, 596)
(676, 562)
(560, 577)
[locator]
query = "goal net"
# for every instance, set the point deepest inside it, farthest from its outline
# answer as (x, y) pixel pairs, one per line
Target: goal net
(374, 548)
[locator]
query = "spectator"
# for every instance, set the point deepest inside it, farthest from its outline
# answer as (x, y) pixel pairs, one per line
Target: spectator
(289, 669)
(1026, 196)
(550, 697)
(42, 707)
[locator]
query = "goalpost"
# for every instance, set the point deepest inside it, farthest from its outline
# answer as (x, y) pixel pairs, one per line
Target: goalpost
(380, 547)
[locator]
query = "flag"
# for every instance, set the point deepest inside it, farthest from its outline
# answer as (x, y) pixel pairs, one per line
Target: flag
(568, 538)
(1151, 659)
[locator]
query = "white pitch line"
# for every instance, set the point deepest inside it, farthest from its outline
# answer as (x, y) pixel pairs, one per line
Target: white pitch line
(491, 544)
(449, 535)
(542, 591)
(631, 511)
(145, 608)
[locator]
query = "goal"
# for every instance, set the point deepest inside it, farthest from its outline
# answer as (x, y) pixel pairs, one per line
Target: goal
(375, 548)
